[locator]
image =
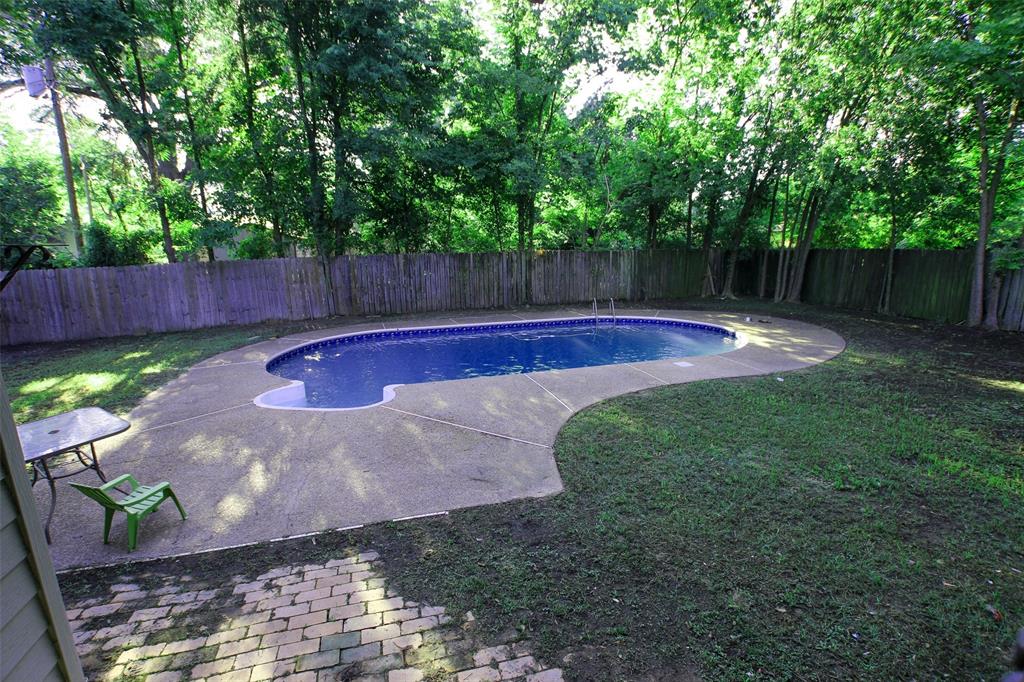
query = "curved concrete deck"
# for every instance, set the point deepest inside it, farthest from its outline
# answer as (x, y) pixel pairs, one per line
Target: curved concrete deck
(248, 474)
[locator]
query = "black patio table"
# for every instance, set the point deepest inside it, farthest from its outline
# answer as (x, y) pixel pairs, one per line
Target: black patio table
(64, 434)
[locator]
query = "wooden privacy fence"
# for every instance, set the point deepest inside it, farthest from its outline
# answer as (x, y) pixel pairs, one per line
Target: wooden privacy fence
(86, 303)
(931, 285)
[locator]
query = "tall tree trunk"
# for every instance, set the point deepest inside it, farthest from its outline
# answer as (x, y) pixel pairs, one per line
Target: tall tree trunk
(150, 147)
(689, 220)
(309, 127)
(710, 227)
(525, 197)
(524, 230)
(794, 239)
(531, 222)
(990, 175)
(977, 304)
(740, 227)
(580, 242)
(65, 158)
(653, 213)
(782, 275)
(118, 212)
(197, 154)
(255, 140)
(730, 273)
(785, 261)
(762, 285)
(795, 230)
(341, 216)
(499, 219)
(995, 287)
(803, 249)
(605, 212)
(310, 113)
(883, 306)
(780, 266)
(88, 190)
(754, 188)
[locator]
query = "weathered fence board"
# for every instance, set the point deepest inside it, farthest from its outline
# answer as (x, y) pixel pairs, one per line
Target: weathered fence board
(845, 278)
(934, 285)
(1011, 302)
(84, 303)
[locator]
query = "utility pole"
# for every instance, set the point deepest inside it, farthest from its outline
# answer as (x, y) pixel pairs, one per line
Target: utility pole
(65, 156)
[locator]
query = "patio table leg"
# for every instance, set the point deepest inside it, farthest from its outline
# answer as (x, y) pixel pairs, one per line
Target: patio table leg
(53, 498)
(96, 462)
(93, 463)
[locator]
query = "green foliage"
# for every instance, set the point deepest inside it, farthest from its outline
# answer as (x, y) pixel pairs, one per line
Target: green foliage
(402, 126)
(1008, 257)
(257, 244)
(30, 200)
(107, 246)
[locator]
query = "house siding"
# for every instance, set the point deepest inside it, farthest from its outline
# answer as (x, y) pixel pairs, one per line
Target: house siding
(35, 638)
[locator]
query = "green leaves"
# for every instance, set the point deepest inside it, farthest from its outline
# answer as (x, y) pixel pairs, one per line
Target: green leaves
(109, 246)
(584, 123)
(30, 199)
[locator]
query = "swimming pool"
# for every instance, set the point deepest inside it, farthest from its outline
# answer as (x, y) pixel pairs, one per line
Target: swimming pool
(362, 369)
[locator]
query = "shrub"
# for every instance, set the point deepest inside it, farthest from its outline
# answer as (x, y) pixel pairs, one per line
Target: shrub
(258, 244)
(105, 246)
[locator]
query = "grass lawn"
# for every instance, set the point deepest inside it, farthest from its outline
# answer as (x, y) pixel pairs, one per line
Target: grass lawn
(115, 374)
(862, 519)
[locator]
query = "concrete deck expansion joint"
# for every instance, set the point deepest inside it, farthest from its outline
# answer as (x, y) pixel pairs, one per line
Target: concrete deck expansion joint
(560, 401)
(435, 446)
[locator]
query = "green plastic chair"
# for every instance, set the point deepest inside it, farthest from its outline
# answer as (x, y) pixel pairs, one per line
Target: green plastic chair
(142, 501)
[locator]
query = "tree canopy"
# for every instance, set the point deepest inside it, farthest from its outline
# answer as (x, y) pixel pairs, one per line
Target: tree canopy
(356, 126)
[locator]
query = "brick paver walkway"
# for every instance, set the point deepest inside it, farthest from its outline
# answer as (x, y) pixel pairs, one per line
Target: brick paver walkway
(309, 623)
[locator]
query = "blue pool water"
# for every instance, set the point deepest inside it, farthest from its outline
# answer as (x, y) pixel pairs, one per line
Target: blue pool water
(353, 371)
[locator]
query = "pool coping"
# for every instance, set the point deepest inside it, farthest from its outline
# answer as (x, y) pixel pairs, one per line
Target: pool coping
(248, 475)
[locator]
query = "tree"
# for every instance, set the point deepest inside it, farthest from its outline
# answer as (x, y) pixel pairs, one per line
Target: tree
(180, 26)
(981, 62)
(30, 204)
(362, 126)
(106, 37)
